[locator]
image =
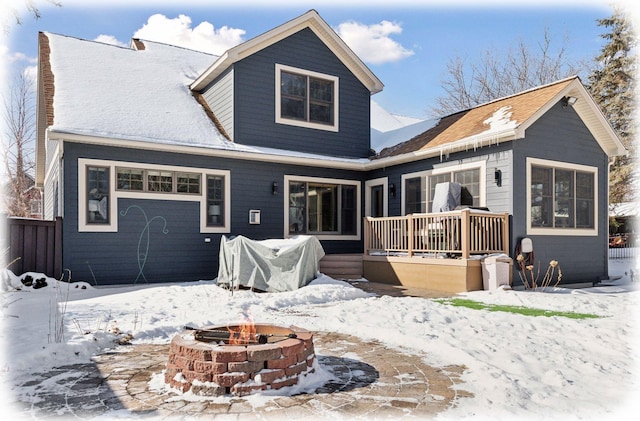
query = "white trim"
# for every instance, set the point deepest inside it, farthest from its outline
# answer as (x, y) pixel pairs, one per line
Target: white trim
(583, 232)
(368, 185)
(311, 20)
(335, 181)
(279, 68)
(235, 151)
(115, 194)
(447, 168)
(482, 165)
(403, 180)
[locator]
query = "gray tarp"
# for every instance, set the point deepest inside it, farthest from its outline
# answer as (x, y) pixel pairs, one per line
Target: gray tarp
(446, 197)
(270, 265)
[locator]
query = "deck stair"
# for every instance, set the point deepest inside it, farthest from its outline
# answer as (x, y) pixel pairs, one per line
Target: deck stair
(342, 266)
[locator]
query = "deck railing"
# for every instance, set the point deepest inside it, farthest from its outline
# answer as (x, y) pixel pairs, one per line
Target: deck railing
(459, 233)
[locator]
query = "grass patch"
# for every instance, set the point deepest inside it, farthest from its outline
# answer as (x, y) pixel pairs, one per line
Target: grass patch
(527, 311)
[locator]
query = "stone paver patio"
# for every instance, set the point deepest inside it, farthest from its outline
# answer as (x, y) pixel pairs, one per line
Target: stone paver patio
(381, 383)
(372, 381)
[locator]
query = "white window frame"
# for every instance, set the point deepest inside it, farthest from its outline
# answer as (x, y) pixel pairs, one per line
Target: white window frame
(368, 185)
(403, 181)
(481, 165)
(114, 194)
(583, 232)
(336, 181)
(308, 124)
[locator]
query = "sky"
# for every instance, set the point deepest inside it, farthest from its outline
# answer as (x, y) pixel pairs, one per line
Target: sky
(517, 367)
(407, 44)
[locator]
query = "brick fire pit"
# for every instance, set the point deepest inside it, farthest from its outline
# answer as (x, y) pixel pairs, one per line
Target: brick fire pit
(278, 357)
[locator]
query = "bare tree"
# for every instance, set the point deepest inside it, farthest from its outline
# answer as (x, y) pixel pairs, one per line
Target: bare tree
(32, 9)
(18, 144)
(494, 76)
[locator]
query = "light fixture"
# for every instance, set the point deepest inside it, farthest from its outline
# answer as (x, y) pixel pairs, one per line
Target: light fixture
(392, 190)
(497, 177)
(274, 188)
(568, 100)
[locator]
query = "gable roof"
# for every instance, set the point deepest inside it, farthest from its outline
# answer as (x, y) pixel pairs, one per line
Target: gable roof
(102, 90)
(311, 20)
(506, 119)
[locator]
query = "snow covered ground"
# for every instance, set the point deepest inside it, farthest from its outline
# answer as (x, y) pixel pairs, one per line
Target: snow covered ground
(518, 366)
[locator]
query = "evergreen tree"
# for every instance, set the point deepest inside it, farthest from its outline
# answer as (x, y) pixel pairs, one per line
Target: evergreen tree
(612, 84)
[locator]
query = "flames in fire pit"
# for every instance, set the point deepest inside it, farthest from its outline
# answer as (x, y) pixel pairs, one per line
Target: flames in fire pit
(239, 359)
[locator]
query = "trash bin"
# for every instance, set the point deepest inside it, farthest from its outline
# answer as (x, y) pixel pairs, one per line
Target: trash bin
(496, 271)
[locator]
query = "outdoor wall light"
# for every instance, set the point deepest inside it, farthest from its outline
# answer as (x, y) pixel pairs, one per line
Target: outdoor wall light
(392, 190)
(568, 100)
(274, 188)
(497, 176)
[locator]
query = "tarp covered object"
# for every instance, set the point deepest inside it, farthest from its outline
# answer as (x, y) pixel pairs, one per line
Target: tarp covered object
(446, 197)
(269, 265)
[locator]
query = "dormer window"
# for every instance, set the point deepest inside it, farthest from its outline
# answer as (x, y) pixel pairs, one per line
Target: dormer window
(306, 99)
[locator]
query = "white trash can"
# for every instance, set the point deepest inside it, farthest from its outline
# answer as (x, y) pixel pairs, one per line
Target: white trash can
(496, 271)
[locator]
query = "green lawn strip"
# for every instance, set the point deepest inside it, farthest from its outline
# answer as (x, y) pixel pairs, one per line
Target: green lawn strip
(527, 311)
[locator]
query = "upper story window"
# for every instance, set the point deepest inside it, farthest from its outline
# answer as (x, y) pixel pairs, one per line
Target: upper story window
(306, 99)
(561, 198)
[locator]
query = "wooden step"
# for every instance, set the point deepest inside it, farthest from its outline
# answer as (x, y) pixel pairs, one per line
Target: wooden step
(342, 266)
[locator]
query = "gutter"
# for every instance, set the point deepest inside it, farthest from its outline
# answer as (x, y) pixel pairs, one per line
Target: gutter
(277, 156)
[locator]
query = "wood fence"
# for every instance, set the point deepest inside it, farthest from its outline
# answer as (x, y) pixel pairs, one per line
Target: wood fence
(35, 246)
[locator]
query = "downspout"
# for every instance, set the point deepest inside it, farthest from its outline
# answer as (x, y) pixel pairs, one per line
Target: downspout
(606, 237)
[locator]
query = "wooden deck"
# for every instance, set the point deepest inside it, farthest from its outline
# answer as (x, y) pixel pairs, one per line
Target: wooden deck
(438, 251)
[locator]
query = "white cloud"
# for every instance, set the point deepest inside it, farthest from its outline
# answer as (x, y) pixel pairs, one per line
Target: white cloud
(178, 31)
(110, 39)
(373, 43)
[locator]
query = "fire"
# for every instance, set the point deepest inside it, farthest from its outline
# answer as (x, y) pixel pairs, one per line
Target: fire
(243, 334)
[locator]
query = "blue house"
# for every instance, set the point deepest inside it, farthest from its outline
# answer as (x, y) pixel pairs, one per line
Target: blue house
(152, 153)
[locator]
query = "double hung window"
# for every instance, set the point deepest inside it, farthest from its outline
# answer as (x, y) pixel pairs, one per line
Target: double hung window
(561, 196)
(307, 99)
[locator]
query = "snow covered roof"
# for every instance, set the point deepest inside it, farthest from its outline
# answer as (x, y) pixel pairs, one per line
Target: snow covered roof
(506, 119)
(90, 91)
(122, 93)
(624, 209)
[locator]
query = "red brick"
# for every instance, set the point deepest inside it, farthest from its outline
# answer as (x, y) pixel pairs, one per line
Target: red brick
(247, 366)
(190, 376)
(306, 353)
(268, 375)
(170, 373)
(264, 353)
(229, 379)
(242, 390)
(283, 362)
(183, 363)
(181, 386)
(296, 369)
(284, 383)
(209, 367)
(228, 354)
(310, 360)
(291, 347)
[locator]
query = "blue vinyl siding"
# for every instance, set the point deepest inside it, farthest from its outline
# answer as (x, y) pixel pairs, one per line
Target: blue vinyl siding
(254, 100)
(220, 99)
(560, 135)
(182, 253)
